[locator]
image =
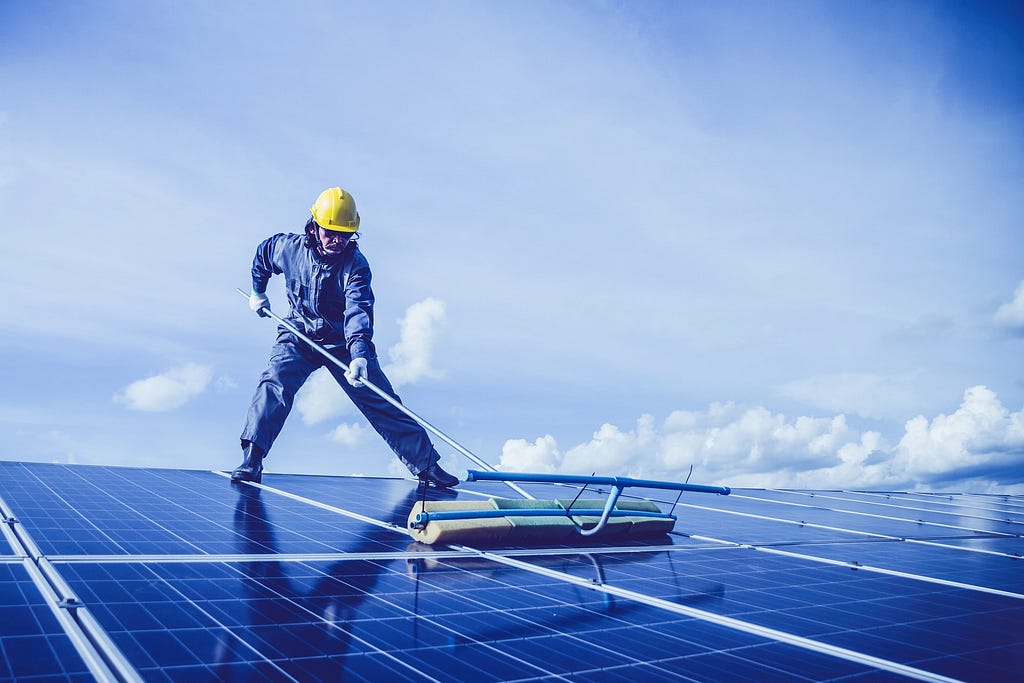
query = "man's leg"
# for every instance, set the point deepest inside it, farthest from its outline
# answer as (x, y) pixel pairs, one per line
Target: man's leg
(403, 434)
(286, 371)
(251, 467)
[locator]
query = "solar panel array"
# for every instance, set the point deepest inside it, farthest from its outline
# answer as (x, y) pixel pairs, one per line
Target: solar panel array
(170, 575)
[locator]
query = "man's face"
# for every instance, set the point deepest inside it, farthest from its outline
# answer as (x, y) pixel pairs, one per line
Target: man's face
(332, 240)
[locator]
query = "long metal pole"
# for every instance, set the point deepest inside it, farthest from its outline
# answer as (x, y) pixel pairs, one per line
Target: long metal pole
(493, 475)
(387, 397)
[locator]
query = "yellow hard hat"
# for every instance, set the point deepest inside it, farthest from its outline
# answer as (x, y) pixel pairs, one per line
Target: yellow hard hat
(335, 210)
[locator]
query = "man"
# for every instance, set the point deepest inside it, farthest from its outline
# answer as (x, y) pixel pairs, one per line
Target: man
(328, 283)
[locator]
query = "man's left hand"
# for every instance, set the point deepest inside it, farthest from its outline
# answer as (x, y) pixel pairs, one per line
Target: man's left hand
(356, 372)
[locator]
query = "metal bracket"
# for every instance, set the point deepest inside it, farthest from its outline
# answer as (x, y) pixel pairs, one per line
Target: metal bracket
(70, 603)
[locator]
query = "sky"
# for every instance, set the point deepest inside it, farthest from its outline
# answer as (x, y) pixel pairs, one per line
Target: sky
(782, 243)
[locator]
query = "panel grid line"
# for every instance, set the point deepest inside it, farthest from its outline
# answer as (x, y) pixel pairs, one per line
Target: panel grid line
(322, 506)
(728, 622)
(933, 498)
(405, 664)
(951, 513)
(101, 656)
(866, 568)
(919, 522)
(845, 530)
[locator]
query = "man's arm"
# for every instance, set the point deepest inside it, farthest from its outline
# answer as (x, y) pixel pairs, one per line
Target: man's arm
(265, 264)
(359, 310)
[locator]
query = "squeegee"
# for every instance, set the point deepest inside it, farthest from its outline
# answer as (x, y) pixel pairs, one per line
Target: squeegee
(525, 522)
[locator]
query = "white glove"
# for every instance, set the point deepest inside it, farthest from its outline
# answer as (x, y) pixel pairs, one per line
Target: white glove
(259, 301)
(356, 372)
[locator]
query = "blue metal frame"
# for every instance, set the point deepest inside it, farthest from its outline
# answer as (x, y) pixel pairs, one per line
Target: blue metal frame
(621, 482)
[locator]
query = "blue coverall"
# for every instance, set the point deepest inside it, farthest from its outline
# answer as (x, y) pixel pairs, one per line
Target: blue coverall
(330, 300)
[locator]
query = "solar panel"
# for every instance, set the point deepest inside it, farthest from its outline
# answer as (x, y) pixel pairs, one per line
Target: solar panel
(33, 645)
(179, 575)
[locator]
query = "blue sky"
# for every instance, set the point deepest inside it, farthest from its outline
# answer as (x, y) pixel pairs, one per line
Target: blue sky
(781, 242)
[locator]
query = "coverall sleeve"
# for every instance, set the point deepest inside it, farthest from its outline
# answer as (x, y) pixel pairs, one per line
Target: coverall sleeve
(264, 264)
(359, 310)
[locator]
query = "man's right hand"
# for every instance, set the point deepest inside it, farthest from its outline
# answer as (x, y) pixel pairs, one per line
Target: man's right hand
(356, 371)
(258, 301)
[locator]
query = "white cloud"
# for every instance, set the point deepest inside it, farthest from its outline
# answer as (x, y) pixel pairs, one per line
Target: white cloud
(1011, 315)
(411, 356)
(726, 441)
(166, 391)
(321, 398)
(611, 449)
(981, 443)
(519, 455)
(981, 437)
(351, 435)
(396, 469)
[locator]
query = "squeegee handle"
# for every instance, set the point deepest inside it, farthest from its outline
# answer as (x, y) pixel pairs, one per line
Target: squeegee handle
(492, 475)
(385, 395)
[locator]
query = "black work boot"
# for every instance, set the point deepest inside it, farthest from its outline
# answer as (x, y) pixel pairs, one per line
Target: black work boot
(251, 468)
(435, 476)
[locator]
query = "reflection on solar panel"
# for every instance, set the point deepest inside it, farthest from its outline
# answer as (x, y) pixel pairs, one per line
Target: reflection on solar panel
(150, 574)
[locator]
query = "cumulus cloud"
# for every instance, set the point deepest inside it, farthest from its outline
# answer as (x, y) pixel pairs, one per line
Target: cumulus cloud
(411, 356)
(350, 435)
(611, 449)
(166, 391)
(982, 439)
(1010, 316)
(519, 455)
(321, 398)
(980, 445)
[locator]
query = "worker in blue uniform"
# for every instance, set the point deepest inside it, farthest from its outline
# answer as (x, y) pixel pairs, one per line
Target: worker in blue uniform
(327, 279)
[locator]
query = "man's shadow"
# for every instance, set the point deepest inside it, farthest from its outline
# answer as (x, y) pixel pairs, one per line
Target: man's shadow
(286, 618)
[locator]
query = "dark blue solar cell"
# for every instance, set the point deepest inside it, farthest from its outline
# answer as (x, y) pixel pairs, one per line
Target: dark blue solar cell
(814, 666)
(563, 654)
(324, 668)
(730, 666)
(30, 656)
(950, 564)
(661, 671)
(32, 641)
(169, 650)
